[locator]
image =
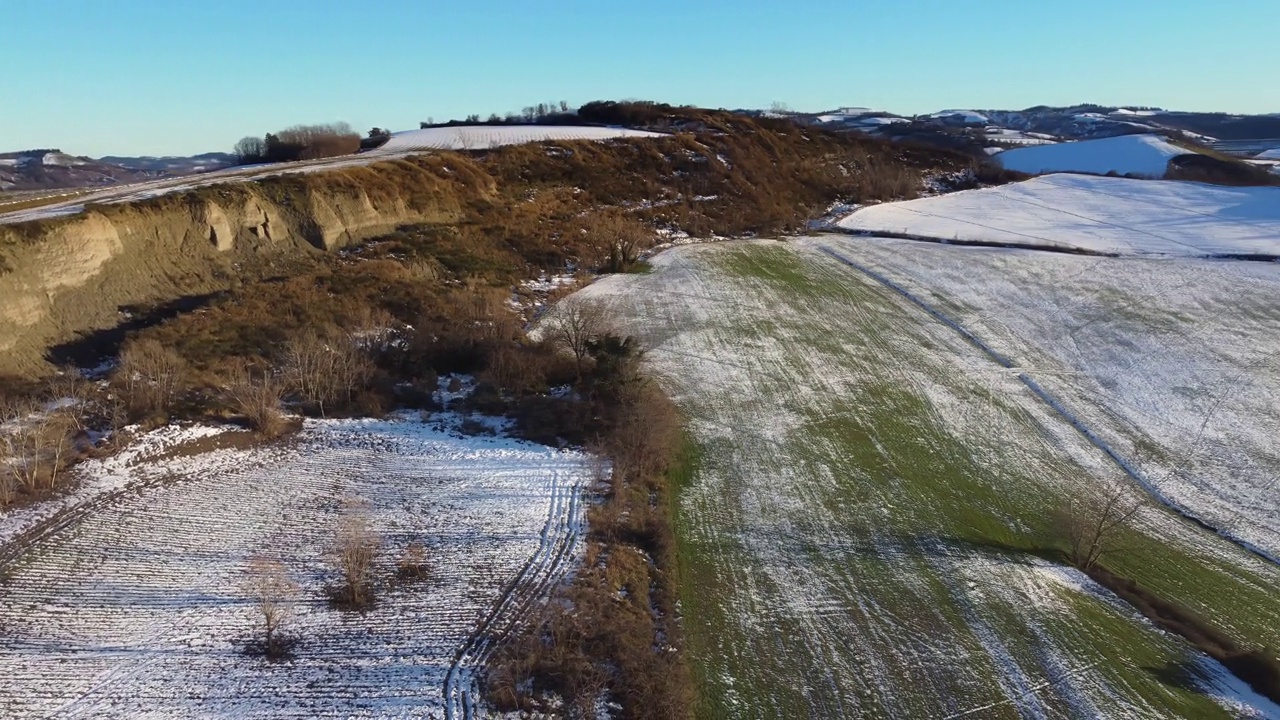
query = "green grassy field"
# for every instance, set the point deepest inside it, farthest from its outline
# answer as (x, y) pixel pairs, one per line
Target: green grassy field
(866, 532)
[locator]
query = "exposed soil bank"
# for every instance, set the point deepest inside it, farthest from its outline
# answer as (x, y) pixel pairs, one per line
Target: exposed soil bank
(62, 278)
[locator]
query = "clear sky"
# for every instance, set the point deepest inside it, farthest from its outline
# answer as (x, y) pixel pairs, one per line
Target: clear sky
(97, 77)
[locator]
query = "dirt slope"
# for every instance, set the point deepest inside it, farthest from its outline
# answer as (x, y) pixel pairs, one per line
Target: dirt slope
(68, 276)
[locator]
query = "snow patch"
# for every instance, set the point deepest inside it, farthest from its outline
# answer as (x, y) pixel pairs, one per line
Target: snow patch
(483, 137)
(1111, 215)
(1127, 154)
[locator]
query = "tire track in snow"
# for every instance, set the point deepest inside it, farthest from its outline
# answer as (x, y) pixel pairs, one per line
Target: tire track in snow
(1057, 406)
(559, 539)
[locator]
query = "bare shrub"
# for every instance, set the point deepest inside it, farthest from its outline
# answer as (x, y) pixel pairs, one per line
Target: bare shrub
(116, 414)
(518, 369)
(413, 562)
(426, 270)
(592, 641)
(646, 436)
(151, 376)
(482, 315)
(623, 239)
(575, 325)
(274, 594)
(1090, 525)
(326, 374)
(77, 394)
(35, 445)
(256, 396)
(8, 460)
(372, 330)
(8, 484)
(354, 552)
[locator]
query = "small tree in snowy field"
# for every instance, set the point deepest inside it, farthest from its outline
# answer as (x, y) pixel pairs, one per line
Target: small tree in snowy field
(274, 595)
(413, 562)
(355, 550)
(576, 324)
(1090, 524)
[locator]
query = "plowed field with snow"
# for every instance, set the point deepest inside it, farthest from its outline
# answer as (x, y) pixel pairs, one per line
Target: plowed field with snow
(130, 605)
(867, 534)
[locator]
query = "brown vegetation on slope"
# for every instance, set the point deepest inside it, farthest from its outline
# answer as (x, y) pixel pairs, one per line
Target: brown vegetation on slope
(721, 174)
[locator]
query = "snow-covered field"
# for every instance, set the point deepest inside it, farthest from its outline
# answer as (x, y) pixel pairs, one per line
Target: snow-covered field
(1017, 137)
(1137, 154)
(130, 604)
(1174, 362)
(482, 137)
(1112, 215)
(862, 535)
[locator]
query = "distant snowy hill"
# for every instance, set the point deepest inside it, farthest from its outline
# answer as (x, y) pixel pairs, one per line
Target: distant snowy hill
(988, 131)
(1128, 154)
(175, 165)
(49, 169)
(53, 169)
(1105, 214)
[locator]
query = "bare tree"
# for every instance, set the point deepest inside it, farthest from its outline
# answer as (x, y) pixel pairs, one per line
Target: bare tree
(623, 238)
(250, 150)
(355, 550)
(1091, 524)
(35, 445)
(71, 387)
(116, 412)
(151, 376)
(9, 461)
(275, 595)
(326, 373)
(575, 325)
(320, 141)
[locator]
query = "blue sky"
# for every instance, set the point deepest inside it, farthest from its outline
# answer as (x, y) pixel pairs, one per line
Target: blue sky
(97, 77)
